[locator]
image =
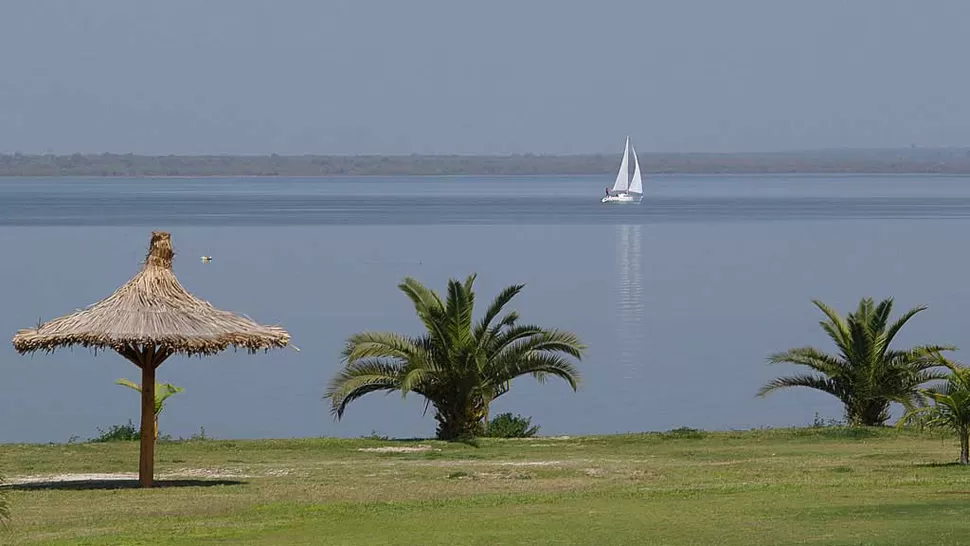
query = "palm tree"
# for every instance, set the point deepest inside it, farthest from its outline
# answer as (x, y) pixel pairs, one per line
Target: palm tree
(950, 409)
(162, 392)
(458, 366)
(4, 507)
(866, 375)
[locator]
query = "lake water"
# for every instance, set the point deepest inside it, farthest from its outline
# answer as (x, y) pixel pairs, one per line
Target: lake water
(680, 299)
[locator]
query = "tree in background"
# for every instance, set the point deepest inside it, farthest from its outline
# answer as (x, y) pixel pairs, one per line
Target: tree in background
(948, 409)
(866, 374)
(458, 366)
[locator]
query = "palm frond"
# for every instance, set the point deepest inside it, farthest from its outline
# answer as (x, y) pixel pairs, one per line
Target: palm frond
(901, 321)
(460, 308)
(812, 381)
(861, 339)
(495, 309)
(382, 345)
(413, 377)
(835, 326)
(423, 297)
(915, 416)
(508, 320)
(128, 383)
(506, 323)
(360, 378)
(810, 357)
(428, 306)
(924, 357)
(923, 377)
(163, 392)
(555, 341)
(469, 284)
(540, 366)
(880, 316)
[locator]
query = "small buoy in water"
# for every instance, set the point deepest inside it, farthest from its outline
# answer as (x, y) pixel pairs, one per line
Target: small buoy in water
(207, 258)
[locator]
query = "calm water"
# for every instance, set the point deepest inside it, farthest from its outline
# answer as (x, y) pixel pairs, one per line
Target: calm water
(679, 299)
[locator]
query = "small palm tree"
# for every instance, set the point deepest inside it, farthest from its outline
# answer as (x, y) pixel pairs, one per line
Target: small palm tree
(4, 507)
(458, 366)
(162, 393)
(949, 409)
(866, 375)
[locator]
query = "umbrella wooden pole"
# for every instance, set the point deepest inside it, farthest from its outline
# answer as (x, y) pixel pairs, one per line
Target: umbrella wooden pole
(148, 358)
(146, 463)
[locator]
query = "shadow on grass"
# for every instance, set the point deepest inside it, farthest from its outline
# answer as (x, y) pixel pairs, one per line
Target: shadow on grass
(941, 465)
(92, 485)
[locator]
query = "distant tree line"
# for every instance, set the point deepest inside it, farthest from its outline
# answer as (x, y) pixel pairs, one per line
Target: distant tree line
(908, 160)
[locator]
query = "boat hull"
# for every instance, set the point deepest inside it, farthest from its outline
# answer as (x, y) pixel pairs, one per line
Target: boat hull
(622, 198)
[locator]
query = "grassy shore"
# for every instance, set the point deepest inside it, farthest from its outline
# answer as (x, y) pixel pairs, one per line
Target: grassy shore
(798, 486)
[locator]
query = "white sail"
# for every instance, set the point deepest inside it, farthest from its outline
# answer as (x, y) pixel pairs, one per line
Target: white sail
(636, 185)
(622, 177)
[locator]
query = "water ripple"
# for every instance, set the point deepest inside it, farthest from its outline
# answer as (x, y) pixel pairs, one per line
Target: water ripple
(52, 209)
(629, 299)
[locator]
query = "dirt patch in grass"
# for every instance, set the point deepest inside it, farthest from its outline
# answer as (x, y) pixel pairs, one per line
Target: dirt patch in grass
(398, 449)
(75, 477)
(214, 473)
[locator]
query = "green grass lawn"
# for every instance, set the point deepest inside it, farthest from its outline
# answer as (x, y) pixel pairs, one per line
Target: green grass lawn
(801, 486)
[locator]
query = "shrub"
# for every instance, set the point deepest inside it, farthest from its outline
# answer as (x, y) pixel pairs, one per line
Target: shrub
(118, 433)
(819, 422)
(506, 425)
(685, 432)
(374, 436)
(200, 436)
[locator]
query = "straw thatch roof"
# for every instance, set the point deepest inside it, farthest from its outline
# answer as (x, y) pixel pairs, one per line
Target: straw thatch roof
(153, 309)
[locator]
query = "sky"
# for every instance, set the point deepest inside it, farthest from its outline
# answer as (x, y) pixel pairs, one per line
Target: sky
(496, 77)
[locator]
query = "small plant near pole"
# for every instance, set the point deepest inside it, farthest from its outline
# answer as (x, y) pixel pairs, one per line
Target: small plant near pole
(162, 393)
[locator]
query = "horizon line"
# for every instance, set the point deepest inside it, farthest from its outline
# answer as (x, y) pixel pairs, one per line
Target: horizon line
(491, 155)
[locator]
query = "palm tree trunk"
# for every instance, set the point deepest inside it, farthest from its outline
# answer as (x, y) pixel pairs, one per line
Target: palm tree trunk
(872, 413)
(485, 421)
(965, 446)
(459, 421)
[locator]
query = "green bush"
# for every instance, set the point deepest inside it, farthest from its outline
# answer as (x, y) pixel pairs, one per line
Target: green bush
(200, 436)
(118, 433)
(685, 432)
(506, 425)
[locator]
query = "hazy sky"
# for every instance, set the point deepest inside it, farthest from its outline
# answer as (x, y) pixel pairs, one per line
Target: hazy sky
(500, 76)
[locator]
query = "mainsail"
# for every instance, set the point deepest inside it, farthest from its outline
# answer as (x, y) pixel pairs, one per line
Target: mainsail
(622, 177)
(636, 185)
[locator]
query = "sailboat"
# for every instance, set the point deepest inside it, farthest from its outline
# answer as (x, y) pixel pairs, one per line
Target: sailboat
(626, 190)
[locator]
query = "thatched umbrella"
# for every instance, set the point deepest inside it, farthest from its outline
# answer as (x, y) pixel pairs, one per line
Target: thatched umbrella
(147, 320)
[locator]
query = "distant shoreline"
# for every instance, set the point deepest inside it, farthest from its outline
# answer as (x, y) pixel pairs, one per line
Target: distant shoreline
(842, 161)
